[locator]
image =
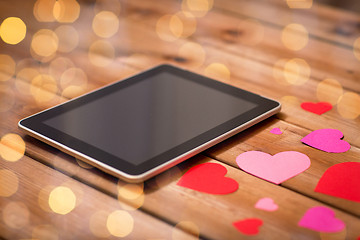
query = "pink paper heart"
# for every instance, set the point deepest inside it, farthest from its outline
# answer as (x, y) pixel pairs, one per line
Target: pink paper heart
(327, 140)
(266, 204)
(321, 219)
(276, 131)
(276, 169)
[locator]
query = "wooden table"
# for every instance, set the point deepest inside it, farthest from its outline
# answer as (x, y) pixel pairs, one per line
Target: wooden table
(294, 52)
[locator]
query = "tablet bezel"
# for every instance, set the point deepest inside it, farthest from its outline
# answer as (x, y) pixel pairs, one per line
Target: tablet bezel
(118, 167)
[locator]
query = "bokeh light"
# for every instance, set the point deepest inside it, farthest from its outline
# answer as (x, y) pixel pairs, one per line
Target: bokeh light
(46, 231)
(349, 105)
(7, 97)
(44, 44)
(290, 105)
(357, 48)
(130, 195)
(188, 230)
(194, 53)
(15, 215)
(43, 88)
(187, 26)
(97, 224)
(101, 53)
(297, 71)
(12, 30)
(12, 147)
(62, 200)
(105, 24)
(43, 10)
(295, 36)
(72, 91)
(252, 32)
(66, 11)
(9, 183)
(73, 76)
(24, 78)
(217, 70)
(7, 67)
(278, 71)
(58, 66)
(198, 8)
(68, 38)
(169, 28)
(329, 90)
(120, 223)
(107, 5)
(300, 4)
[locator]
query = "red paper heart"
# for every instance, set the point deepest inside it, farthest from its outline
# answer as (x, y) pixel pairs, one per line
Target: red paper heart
(318, 108)
(208, 178)
(341, 180)
(248, 226)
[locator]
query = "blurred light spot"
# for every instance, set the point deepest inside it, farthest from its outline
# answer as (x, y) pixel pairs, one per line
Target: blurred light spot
(297, 71)
(68, 38)
(131, 196)
(58, 66)
(187, 26)
(7, 100)
(43, 10)
(24, 78)
(278, 71)
(47, 232)
(107, 5)
(97, 224)
(44, 43)
(7, 67)
(295, 36)
(357, 48)
(329, 90)
(9, 183)
(15, 215)
(349, 105)
(251, 32)
(72, 92)
(66, 11)
(84, 164)
(185, 230)
(198, 8)
(12, 147)
(101, 53)
(217, 70)
(73, 76)
(105, 24)
(62, 200)
(12, 30)
(120, 223)
(43, 198)
(290, 105)
(194, 53)
(299, 3)
(169, 28)
(43, 88)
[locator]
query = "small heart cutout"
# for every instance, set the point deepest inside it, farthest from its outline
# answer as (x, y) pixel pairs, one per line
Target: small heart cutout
(317, 108)
(266, 204)
(208, 178)
(327, 140)
(276, 131)
(321, 219)
(276, 169)
(249, 226)
(341, 180)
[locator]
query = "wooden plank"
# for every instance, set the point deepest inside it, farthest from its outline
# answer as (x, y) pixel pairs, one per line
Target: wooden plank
(32, 210)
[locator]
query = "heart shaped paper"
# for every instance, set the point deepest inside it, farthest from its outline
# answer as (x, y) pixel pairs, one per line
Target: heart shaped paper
(248, 226)
(276, 169)
(266, 204)
(327, 140)
(341, 180)
(317, 108)
(276, 131)
(208, 178)
(321, 219)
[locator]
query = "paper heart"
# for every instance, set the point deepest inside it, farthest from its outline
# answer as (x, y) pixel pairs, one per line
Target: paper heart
(321, 219)
(248, 226)
(208, 178)
(276, 169)
(317, 108)
(266, 204)
(276, 131)
(327, 140)
(341, 180)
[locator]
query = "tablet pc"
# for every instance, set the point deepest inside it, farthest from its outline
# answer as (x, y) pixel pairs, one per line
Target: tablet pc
(138, 127)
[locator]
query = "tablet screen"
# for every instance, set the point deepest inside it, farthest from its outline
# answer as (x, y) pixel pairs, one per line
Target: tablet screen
(149, 117)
